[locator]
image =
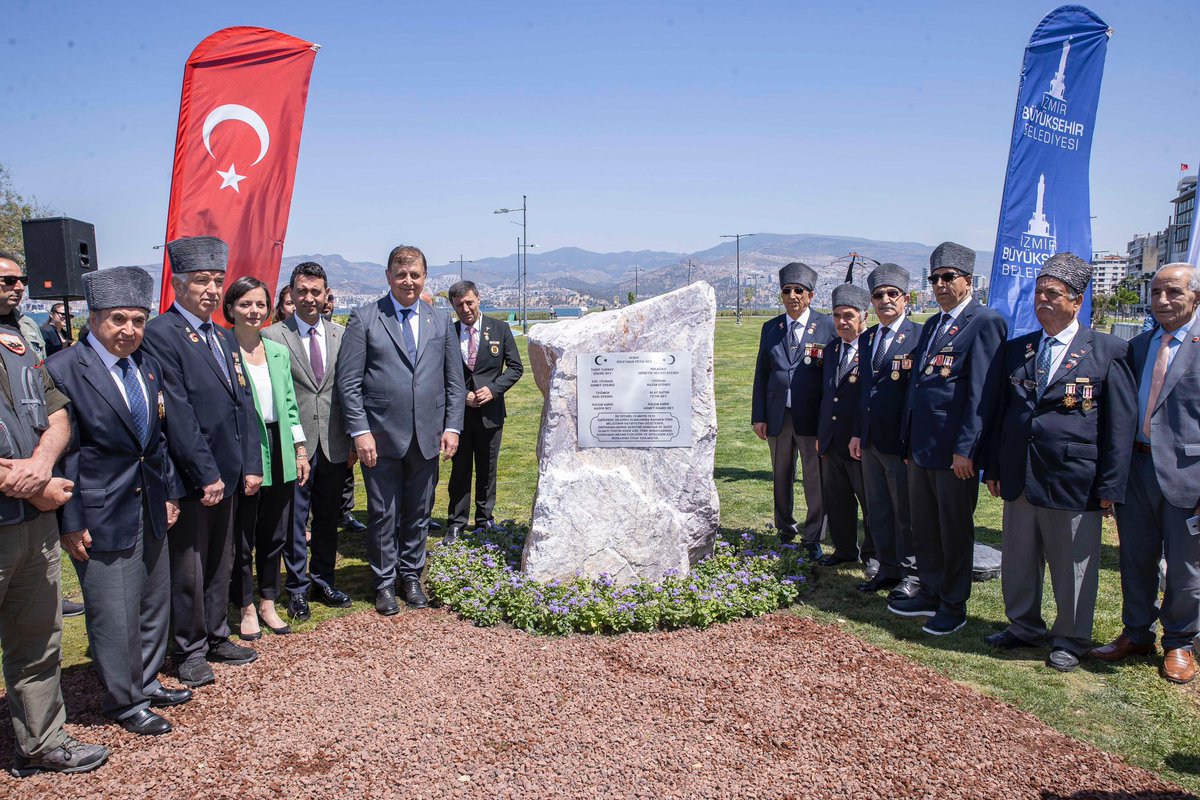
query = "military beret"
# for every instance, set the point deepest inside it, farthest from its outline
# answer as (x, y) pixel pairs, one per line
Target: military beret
(1068, 268)
(847, 294)
(954, 256)
(799, 273)
(889, 275)
(119, 287)
(197, 254)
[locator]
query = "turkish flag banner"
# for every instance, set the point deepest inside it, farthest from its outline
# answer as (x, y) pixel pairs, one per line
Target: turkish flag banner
(240, 117)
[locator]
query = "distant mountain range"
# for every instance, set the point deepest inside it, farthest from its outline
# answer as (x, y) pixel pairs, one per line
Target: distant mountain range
(603, 277)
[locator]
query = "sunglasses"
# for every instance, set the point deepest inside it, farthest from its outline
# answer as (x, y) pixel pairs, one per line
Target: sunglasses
(11, 280)
(945, 277)
(890, 294)
(792, 290)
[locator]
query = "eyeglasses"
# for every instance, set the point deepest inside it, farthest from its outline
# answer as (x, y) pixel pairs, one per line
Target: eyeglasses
(944, 277)
(11, 280)
(890, 294)
(793, 290)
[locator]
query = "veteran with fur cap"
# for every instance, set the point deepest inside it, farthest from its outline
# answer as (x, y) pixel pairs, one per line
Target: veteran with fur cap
(119, 287)
(1068, 268)
(951, 255)
(197, 254)
(847, 294)
(889, 275)
(800, 274)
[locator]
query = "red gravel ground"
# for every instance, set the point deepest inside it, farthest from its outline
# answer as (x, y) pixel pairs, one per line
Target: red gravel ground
(425, 705)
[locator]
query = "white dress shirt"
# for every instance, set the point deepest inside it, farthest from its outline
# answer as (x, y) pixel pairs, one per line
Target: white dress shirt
(413, 318)
(886, 335)
(1060, 346)
(464, 337)
(303, 328)
(114, 371)
(797, 334)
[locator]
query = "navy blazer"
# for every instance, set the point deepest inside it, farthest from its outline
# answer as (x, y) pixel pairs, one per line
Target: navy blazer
(112, 471)
(1175, 420)
(882, 395)
(497, 366)
(839, 399)
(774, 374)
(1068, 450)
(950, 407)
(214, 426)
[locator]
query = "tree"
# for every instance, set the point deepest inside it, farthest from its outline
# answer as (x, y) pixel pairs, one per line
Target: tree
(13, 208)
(632, 298)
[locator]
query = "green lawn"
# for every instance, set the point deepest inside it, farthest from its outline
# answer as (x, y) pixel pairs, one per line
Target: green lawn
(1126, 709)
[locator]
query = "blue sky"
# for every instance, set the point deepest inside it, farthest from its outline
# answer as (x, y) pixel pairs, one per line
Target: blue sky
(630, 125)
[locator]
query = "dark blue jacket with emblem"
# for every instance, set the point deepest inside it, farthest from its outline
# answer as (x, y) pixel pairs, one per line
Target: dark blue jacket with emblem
(1072, 448)
(775, 372)
(953, 393)
(114, 473)
(839, 399)
(882, 395)
(214, 427)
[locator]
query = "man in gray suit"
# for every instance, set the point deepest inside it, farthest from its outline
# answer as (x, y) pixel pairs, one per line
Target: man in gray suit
(313, 343)
(1162, 498)
(401, 381)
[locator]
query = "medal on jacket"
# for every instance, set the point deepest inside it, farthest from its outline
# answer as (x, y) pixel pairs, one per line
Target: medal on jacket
(1088, 402)
(191, 334)
(237, 367)
(495, 349)
(896, 362)
(162, 406)
(1029, 351)
(1069, 399)
(946, 364)
(814, 353)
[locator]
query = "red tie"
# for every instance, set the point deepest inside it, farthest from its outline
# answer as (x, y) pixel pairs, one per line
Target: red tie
(1157, 379)
(472, 348)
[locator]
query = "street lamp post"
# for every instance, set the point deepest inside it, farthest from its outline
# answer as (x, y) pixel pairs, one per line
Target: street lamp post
(460, 264)
(522, 255)
(689, 272)
(635, 283)
(737, 237)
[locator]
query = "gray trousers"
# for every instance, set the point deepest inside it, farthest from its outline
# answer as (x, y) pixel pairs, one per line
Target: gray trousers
(784, 450)
(1067, 541)
(1150, 527)
(943, 513)
(127, 594)
(885, 483)
(31, 632)
(399, 501)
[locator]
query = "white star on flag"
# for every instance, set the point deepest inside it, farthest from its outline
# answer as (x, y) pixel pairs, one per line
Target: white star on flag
(231, 178)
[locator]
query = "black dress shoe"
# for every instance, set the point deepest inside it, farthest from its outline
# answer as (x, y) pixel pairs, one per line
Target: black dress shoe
(71, 609)
(812, 552)
(833, 559)
(413, 594)
(877, 584)
(1004, 640)
(434, 525)
(905, 590)
(385, 602)
(164, 697)
(334, 598)
(146, 723)
(351, 523)
(298, 608)
(226, 652)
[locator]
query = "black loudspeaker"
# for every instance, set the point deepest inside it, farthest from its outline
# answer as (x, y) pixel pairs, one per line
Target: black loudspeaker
(58, 251)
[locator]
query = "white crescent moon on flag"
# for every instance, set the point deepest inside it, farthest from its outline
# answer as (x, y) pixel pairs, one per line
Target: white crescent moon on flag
(242, 114)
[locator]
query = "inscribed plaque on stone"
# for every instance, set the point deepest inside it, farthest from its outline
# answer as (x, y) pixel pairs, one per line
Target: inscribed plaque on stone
(635, 399)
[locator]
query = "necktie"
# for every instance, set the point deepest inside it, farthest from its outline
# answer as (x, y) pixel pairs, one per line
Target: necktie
(1156, 380)
(847, 361)
(136, 400)
(941, 330)
(314, 356)
(410, 344)
(881, 348)
(1045, 359)
(472, 348)
(217, 352)
(793, 343)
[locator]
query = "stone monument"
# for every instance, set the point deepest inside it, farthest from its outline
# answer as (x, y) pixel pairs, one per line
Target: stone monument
(629, 430)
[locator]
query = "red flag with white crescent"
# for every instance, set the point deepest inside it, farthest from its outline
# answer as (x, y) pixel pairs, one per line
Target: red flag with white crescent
(240, 117)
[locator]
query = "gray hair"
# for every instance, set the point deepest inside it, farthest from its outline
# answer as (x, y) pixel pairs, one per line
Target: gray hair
(459, 290)
(1193, 274)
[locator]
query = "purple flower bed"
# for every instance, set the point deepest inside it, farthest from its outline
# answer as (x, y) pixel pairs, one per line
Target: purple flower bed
(749, 574)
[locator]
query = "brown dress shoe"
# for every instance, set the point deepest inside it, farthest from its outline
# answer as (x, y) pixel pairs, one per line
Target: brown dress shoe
(1179, 665)
(1120, 649)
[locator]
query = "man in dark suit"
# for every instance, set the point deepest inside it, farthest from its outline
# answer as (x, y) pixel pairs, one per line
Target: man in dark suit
(1059, 457)
(401, 382)
(213, 440)
(840, 472)
(887, 349)
(491, 365)
(313, 342)
(125, 497)
(951, 402)
(55, 332)
(1162, 499)
(787, 401)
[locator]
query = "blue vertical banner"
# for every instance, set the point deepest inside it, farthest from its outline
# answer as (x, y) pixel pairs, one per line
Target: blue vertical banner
(1046, 207)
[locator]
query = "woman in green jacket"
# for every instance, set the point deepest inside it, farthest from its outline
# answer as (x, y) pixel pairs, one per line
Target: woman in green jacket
(264, 521)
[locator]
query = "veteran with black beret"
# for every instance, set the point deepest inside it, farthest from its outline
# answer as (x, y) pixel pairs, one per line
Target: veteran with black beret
(126, 491)
(786, 402)
(214, 443)
(1059, 458)
(951, 403)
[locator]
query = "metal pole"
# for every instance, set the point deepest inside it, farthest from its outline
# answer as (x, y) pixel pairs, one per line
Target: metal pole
(635, 283)
(739, 278)
(525, 268)
(689, 272)
(518, 277)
